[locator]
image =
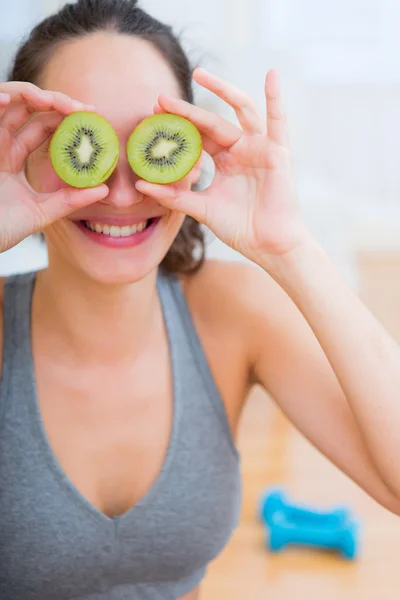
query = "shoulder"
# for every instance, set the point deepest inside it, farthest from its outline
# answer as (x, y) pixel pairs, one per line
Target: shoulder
(239, 289)
(242, 299)
(220, 288)
(221, 299)
(234, 296)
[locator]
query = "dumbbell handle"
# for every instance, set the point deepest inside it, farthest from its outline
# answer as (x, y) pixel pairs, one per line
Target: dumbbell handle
(301, 513)
(275, 501)
(342, 539)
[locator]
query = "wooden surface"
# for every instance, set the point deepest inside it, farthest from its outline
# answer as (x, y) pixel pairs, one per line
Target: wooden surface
(274, 453)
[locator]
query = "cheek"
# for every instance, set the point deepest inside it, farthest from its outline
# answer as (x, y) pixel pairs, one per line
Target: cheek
(40, 173)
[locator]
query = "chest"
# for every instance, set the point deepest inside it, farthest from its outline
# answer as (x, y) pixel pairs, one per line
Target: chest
(116, 477)
(171, 524)
(109, 428)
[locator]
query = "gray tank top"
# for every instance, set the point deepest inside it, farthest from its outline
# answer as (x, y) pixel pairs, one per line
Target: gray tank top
(54, 545)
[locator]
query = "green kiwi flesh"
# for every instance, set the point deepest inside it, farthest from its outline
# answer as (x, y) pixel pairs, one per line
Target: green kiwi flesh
(84, 150)
(164, 148)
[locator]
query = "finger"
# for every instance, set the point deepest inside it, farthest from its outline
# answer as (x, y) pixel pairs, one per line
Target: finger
(37, 99)
(67, 200)
(21, 91)
(276, 119)
(37, 131)
(4, 102)
(245, 108)
(192, 204)
(19, 110)
(15, 117)
(4, 98)
(18, 115)
(209, 145)
(67, 105)
(222, 132)
(158, 110)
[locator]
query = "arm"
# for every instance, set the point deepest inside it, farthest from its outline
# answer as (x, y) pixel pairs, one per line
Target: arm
(327, 361)
(331, 367)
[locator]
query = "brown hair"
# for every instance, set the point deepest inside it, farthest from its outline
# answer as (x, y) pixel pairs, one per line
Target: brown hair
(187, 252)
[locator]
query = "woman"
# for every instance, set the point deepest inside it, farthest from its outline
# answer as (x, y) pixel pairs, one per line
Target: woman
(125, 366)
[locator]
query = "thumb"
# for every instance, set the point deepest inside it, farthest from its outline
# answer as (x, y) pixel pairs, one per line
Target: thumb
(67, 200)
(192, 204)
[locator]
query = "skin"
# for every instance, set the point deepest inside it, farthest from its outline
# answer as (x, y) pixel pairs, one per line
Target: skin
(294, 314)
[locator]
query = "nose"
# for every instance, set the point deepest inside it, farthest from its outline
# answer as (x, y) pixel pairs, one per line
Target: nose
(123, 193)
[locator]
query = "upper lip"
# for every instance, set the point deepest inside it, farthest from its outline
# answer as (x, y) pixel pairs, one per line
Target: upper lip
(118, 219)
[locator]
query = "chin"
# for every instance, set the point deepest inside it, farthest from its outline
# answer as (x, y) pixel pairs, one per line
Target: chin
(123, 271)
(111, 251)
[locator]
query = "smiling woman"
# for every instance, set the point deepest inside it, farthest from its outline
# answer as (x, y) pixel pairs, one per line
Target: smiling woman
(127, 362)
(52, 38)
(124, 481)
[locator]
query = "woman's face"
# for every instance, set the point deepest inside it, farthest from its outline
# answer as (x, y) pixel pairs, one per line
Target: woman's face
(122, 77)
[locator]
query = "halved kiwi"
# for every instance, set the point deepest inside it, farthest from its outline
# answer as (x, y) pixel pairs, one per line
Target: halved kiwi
(84, 150)
(164, 148)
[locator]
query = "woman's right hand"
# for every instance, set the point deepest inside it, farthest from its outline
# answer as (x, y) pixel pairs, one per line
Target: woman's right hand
(28, 117)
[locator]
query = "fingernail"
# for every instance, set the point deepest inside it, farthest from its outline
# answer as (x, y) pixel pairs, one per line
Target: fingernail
(4, 97)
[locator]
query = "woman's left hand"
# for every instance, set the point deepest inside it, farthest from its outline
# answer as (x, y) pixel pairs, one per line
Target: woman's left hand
(252, 203)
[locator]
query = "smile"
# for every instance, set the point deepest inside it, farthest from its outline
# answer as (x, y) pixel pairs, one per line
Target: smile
(124, 235)
(115, 230)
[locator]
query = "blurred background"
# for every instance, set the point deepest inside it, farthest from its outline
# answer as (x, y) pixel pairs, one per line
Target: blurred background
(340, 70)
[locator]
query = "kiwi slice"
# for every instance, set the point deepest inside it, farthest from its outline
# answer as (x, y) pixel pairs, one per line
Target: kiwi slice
(164, 148)
(84, 150)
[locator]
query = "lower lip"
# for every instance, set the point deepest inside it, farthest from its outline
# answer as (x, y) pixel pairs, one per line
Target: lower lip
(119, 242)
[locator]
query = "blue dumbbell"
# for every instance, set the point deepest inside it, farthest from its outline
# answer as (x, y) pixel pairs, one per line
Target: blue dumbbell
(342, 537)
(274, 501)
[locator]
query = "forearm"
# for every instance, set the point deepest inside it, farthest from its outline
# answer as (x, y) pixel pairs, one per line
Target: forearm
(364, 357)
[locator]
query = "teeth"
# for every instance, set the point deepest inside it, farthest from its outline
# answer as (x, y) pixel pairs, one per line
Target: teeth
(125, 231)
(114, 230)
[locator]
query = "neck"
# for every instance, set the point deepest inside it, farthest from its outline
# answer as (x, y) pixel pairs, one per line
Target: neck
(95, 322)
